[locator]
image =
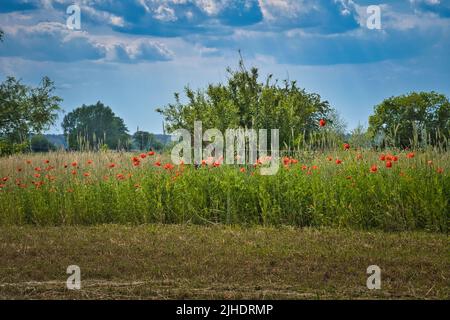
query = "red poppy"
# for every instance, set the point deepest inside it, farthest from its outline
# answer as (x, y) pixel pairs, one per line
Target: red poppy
(37, 175)
(143, 156)
(120, 176)
(373, 168)
(242, 170)
(112, 165)
(322, 122)
(410, 155)
(151, 153)
(168, 166)
(47, 161)
(338, 161)
(394, 158)
(136, 163)
(389, 157)
(203, 162)
(90, 162)
(158, 163)
(74, 164)
(388, 164)
(5, 179)
(304, 167)
(382, 157)
(86, 174)
(315, 167)
(286, 161)
(440, 170)
(74, 172)
(346, 146)
(37, 169)
(216, 164)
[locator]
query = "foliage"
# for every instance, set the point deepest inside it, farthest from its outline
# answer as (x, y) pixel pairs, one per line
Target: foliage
(89, 127)
(412, 120)
(40, 143)
(24, 110)
(145, 141)
(244, 102)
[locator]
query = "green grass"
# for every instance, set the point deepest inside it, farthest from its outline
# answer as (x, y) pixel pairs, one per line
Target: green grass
(226, 262)
(412, 195)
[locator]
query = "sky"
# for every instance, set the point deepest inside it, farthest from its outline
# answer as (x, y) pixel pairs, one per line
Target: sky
(134, 55)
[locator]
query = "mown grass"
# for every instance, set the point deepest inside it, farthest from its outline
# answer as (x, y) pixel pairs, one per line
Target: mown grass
(84, 189)
(226, 262)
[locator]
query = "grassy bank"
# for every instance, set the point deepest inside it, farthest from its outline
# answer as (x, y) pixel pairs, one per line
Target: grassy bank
(168, 261)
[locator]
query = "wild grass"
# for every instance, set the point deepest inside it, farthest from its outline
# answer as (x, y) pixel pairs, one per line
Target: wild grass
(312, 189)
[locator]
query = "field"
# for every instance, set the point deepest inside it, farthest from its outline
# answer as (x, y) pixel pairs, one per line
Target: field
(139, 227)
(357, 189)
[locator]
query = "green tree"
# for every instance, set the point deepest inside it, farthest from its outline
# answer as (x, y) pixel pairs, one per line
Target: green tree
(247, 103)
(90, 127)
(25, 110)
(40, 143)
(144, 140)
(412, 120)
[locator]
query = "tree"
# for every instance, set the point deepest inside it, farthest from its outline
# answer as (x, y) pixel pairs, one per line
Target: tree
(412, 120)
(145, 141)
(25, 110)
(90, 127)
(39, 143)
(247, 103)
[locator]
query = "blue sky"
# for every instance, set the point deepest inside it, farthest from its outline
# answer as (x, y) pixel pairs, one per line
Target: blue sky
(133, 55)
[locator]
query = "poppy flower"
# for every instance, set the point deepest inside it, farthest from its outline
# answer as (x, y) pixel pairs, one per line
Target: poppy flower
(389, 157)
(37, 175)
(203, 162)
(135, 159)
(382, 157)
(74, 164)
(90, 162)
(242, 170)
(410, 155)
(338, 161)
(388, 164)
(294, 161)
(346, 146)
(5, 179)
(74, 172)
(315, 167)
(440, 170)
(373, 168)
(112, 165)
(120, 176)
(143, 156)
(168, 166)
(86, 174)
(304, 167)
(158, 163)
(322, 122)
(47, 161)
(38, 169)
(136, 163)
(286, 161)
(394, 158)
(216, 164)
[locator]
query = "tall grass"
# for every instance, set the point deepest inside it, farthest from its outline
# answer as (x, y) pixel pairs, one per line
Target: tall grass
(412, 195)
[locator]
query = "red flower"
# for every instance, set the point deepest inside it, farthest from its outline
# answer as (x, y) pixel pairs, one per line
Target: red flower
(338, 161)
(74, 172)
(203, 162)
(135, 159)
(410, 155)
(86, 174)
(143, 156)
(168, 166)
(158, 163)
(440, 170)
(74, 164)
(112, 165)
(90, 162)
(120, 176)
(373, 168)
(322, 122)
(388, 164)
(47, 161)
(346, 146)
(136, 163)
(394, 158)
(151, 153)
(389, 157)
(286, 161)
(37, 175)
(37, 169)
(5, 179)
(216, 164)
(382, 157)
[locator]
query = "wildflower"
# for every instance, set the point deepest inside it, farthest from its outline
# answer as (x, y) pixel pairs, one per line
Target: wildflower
(151, 153)
(304, 167)
(330, 158)
(359, 156)
(135, 159)
(388, 164)
(136, 163)
(38, 169)
(346, 146)
(382, 157)
(216, 164)
(286, 161)
(112, 165)
(120, 176)
(5, 179)
(168, 166)
(143, 155)
(394, 158)
(430, 162)
(86, 174)
(203, 162)
(47, 161)
(389, 157)
(440, 170)
(373, 168)
(74, 164)
(315, 167)
(294, 161)
(90, 162)
(322, 122)
(28, 161)
(158, 163)
(37, 175)
(74, 172)
(242, 170)
(338, 161)
(410, 155)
